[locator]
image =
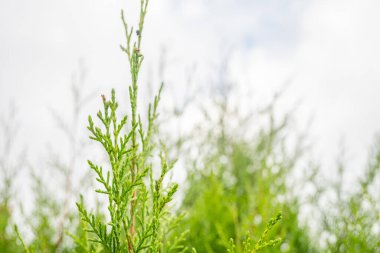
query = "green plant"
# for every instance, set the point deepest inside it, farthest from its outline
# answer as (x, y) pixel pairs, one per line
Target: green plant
(237, 180)
(350, 222)
(53, 212)
(10, 166)
(249, 246)
(65, 168)
(137, 199)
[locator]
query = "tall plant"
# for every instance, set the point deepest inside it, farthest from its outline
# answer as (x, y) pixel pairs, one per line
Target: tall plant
(137, 198)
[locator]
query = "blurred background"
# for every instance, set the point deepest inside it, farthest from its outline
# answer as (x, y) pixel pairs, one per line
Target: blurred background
(313, 62)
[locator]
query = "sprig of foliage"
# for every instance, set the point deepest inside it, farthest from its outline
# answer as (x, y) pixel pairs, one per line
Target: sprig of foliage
(262, 243)
(137, 200)
(249, 246)
(21, 240)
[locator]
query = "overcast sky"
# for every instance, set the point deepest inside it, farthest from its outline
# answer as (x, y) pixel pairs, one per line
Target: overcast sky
(329, 49)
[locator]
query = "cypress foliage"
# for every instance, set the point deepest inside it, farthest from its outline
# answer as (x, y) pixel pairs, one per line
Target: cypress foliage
(137, 200)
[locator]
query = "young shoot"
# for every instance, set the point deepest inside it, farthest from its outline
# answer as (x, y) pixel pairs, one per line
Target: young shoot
(136, 200)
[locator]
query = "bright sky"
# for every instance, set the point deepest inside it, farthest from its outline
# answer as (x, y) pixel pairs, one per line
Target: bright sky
(329, 49)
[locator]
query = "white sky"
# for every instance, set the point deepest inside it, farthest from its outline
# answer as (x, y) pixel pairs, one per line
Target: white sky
(328, 48)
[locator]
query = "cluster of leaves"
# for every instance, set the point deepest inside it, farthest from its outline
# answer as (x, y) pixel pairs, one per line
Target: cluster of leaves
(135, 207)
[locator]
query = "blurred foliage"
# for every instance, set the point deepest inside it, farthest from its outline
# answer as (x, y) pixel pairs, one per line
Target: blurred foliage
(9, 170)
(237, 181)
(350, 218)
(8, 240)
